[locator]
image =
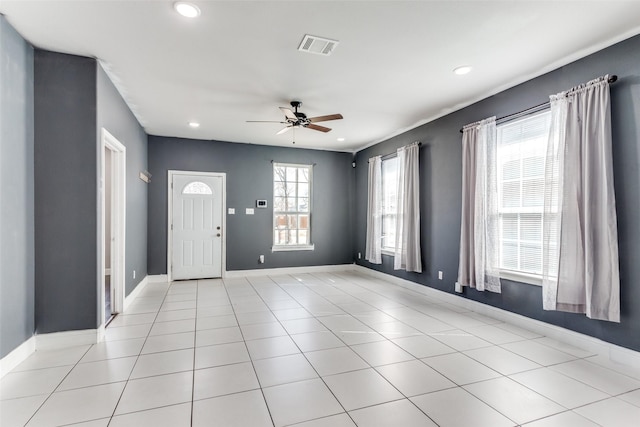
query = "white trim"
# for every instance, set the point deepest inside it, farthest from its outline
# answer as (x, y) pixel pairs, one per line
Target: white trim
(223, 175)
(107, 272)
(518, 276)
(135, 292)
(66, 339)
(118, 219)
(289, 248)
(17, 356)
(614, 352)
(288, 270)
(157, 278)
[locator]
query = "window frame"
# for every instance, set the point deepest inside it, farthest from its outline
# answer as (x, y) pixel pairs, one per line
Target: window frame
(292, 247)
(505, 273)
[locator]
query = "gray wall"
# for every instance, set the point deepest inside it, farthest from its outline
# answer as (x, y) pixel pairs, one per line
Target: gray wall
(440, 180)
(250, 177)
(65, 192)
(16, 190)
(115, 116)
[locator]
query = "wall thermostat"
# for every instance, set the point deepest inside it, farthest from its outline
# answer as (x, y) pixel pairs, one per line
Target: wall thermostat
(261, 203)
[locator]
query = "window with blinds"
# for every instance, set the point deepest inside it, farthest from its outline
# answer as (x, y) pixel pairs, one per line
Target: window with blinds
(521, 153)
(389, 201)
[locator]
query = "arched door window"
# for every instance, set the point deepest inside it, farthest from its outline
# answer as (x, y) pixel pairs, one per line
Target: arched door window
(197, 187)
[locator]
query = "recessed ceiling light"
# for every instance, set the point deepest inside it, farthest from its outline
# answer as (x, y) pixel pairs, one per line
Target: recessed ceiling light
(188, 10)
(340, 139)
(465, 69)
(194, 124)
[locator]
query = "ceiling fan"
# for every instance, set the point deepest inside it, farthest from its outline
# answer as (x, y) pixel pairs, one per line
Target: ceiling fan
(296, 119)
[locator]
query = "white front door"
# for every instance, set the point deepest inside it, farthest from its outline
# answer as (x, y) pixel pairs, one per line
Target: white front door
(197, 227)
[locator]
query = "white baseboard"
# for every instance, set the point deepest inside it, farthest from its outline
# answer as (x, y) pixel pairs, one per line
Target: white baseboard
(107, 272)
(287, 270)
(134, 293)
(615, 353)
(64, 339)
(158, 278)
(17, 356)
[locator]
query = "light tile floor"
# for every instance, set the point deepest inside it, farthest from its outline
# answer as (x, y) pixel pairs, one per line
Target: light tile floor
(315, 350)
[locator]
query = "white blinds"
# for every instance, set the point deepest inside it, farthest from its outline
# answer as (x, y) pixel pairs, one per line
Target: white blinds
(521, 155)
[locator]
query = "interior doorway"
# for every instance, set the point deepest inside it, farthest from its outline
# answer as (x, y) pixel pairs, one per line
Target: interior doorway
(111, 227)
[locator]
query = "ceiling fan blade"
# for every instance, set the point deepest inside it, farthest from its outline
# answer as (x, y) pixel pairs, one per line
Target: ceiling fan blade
(325, 118)
(317, 127)
(283, 130)
(288, 113)
(265, 121)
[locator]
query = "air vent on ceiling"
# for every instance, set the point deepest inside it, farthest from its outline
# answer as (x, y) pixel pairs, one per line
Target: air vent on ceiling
(317, 45)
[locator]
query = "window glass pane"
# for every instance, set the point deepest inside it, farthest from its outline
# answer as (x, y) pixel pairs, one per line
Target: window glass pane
(279, 204)
(293, 221)
(531, 258)
(533, 192)
(279, 189)
(303, 204)
(279, 173)
(197, 187)
(511, 194)
(303, 190)
(510, 226)
(533, 166)
(303, 237)
(303, 174)
(293, 237)
(509, 255)
(281, 221)
(292, 174)
(531, 227)
(511, 169)
(303, 221)
(291, 204)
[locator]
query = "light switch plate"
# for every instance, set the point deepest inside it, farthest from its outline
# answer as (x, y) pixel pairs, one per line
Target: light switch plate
(249, 211)
(232, 211)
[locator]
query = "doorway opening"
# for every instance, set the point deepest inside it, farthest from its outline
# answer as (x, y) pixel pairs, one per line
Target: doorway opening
(111, 228)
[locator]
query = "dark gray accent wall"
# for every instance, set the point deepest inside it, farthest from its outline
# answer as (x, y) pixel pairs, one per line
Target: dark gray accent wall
(115, 116)
(440, 180)
(250, 177)
(16, 190)
(65, 192)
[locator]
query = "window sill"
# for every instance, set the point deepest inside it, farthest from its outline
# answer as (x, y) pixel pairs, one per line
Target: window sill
(518, 276)
(290, 248)
(388, 252)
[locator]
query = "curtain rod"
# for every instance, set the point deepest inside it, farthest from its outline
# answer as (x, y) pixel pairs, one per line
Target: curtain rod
(612, 79)
(390, 155)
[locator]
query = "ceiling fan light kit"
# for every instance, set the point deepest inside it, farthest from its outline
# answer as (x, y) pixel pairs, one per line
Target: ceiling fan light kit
(297, 119)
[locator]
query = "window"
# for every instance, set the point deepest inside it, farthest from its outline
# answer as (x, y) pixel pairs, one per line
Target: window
(521, 156)
(291, 207)
(197, 187)
(389, 201)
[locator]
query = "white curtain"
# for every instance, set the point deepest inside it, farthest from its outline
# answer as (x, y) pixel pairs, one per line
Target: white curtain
(580, 238)
(479, 233)
(373, 249)
(407, 253)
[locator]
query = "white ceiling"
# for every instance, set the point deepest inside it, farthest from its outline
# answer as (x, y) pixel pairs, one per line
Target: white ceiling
(391, 71)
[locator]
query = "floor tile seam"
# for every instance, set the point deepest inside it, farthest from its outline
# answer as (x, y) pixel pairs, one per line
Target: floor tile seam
(571, 356)
(580, 379)
(496, 409)
(137, 359)
(586, 359)
(312, 367)
(255, 372)
(233, 393)
(57, 386)
(538, 365)
(153, 408)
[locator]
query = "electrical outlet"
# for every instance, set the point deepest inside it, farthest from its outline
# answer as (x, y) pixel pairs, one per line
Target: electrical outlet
(440, 275)
(134, 274)
(458, 288)
(261, 259)
(359, 255)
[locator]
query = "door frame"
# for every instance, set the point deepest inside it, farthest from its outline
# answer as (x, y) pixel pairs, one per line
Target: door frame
(170, 175)
(118, 223)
